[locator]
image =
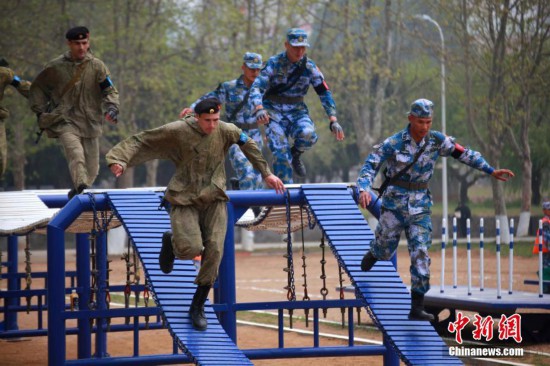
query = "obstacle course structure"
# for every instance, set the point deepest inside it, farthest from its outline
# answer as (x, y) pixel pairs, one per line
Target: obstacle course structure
(381, 291)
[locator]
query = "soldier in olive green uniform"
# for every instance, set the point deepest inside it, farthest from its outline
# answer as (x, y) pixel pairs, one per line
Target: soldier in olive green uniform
(8, 77)
(72, 97)
(197, 145)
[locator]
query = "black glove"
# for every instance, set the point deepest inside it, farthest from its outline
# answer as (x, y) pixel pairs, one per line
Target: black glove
(111, 115)
(260, 114)
(335, 127)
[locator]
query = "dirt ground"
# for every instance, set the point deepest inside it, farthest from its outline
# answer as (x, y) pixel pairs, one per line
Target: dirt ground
(260, 277)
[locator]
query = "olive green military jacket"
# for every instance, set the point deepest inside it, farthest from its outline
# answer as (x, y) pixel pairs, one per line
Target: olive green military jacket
(199, 158)
(69, 100)
(6, 78)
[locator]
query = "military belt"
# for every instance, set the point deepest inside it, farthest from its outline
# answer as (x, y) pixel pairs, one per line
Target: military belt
(246, 126)
(411, 186)
(284, 100)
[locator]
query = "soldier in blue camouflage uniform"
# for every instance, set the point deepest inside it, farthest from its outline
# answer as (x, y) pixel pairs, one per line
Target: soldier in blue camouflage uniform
(277, 98)
(234, 94)
(407, 202)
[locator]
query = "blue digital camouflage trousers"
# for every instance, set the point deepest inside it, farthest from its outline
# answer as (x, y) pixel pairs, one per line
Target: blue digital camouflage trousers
(295, 124)
(249, 178)
(418, 231)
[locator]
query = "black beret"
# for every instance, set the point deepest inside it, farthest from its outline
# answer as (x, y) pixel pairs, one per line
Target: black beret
(77, 33)
(210, 105)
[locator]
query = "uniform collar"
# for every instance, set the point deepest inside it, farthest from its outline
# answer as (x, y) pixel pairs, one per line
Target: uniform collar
(68, 57)
(406, 136)
(192, 122)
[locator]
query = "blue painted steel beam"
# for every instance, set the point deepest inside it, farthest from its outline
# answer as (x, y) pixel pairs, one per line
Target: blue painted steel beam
(271, 353)
(238, 198)
(84, 339)
(56, 271)
(10, 318)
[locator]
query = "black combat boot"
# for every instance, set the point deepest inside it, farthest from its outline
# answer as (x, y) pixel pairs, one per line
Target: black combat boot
(74, 191)
(166, 256)
(368, 261)
(417, 308)
(196, 311)
(297, 165)
(235, 184)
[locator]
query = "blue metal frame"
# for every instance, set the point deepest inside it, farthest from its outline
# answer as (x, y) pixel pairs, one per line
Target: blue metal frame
(225, 294)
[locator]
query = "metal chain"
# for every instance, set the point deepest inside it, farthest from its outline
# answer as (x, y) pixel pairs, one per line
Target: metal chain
(304, 266)
(127, 289)
(107, 291)
(291, 289)
(324, 290)
(93, 286)
(341, 280)
(137, 276)
(28, 270)
(146, 301)
(311, 222)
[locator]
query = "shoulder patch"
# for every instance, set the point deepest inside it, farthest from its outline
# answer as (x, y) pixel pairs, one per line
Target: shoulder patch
(243, 138)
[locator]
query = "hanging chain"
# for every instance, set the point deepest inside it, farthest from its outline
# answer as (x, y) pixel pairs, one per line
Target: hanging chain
(324, 290)
(100, 223)
(341, 280)
(291, 289)
(107, 292)
(137, 276)
(146, 301)
(28, 270)
(127, 289)
(93, 286)
(311, 222)
(304, 266)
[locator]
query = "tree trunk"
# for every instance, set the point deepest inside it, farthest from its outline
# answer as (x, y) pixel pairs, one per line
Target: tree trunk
(500, 210)
(151, 178)
(536, 183)
(18, 157)
(525, 215)
(126, 180)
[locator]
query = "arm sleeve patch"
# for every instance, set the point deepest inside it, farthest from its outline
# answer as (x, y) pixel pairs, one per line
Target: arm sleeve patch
(457, 151)
(16, 81)
(106, 83)
(321, 88)
(243, 139)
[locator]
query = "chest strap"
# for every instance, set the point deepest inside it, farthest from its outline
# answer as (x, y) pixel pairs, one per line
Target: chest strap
(411, 186)
(283, 100)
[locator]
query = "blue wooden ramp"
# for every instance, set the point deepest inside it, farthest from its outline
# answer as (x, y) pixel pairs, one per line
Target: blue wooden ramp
(145, 224)
(382, 290)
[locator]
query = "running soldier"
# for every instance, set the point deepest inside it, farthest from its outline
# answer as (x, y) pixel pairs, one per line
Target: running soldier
(197, 145)
(72, 97)
(410, 156)
(277, 99)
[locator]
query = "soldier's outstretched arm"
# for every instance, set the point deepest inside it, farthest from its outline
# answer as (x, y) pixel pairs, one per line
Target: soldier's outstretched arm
(116, 169)
(503, 174)
(274, 182)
